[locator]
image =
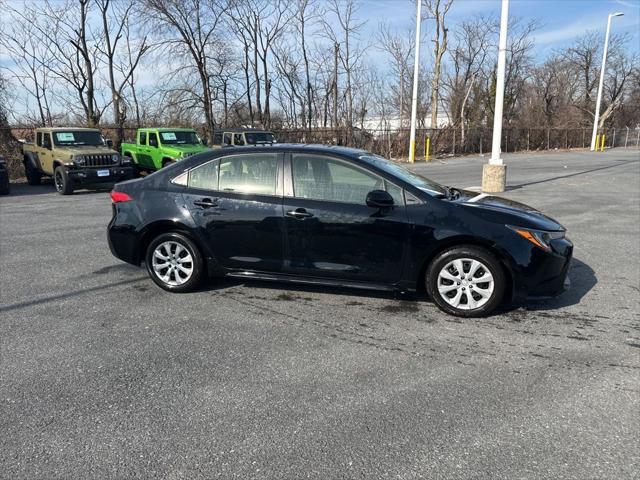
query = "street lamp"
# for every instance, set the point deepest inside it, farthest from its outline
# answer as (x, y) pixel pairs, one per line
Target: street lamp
(604, 61)
(414, 97)
(494, 174)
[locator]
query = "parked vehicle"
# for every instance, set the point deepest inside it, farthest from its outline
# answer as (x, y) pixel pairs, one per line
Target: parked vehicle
(74, 157)
(156, 148)
(335, 216)
(242, 137)
(4, 177)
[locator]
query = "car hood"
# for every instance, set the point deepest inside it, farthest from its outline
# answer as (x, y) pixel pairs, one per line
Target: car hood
(86, 150)
(186, 149)
(507, 211)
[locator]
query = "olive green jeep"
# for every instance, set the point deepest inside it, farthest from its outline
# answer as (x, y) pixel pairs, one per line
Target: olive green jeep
(74, 157)
(240, 137)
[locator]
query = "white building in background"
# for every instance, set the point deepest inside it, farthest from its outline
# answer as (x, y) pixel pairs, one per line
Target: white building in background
(379, 123)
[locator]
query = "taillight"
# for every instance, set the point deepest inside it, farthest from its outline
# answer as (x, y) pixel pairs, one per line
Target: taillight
(118, 197)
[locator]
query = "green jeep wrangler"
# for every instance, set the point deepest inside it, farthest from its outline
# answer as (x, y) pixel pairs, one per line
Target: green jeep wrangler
(157, 147)
(73, 157)
(237, 137)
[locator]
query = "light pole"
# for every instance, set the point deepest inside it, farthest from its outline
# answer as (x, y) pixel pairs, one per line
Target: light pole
(494, 174)
(414, 98)
(596, 117)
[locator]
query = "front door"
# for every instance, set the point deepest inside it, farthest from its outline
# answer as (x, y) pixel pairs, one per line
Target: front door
(331, 232)
(45, 154)
(143, 156)
(236, 201)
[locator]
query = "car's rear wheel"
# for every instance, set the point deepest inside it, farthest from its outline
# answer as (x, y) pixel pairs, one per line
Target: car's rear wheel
(174, 263)
(33, 176)
(466, 281)
(63, 183)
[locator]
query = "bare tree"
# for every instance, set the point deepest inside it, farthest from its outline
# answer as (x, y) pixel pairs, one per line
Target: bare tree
(437, 9)
(399, 49)
(115, 23)
(192, 26)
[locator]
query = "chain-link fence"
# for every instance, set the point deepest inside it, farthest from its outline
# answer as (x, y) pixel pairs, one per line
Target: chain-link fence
(451, 141)
(447, 141)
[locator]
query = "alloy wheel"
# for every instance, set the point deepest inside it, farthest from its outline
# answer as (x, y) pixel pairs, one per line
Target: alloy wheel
(172, 263)
(465, 283)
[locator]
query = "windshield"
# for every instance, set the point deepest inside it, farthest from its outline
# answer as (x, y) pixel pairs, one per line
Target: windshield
(180, 138)
(254, 138)
(405, 174)
(77, 137)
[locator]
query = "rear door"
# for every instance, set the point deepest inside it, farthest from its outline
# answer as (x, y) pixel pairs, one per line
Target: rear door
(331, 232)
(45, 154)
(236, 201)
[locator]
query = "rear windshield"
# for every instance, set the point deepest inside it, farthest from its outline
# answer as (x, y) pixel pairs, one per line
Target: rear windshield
(77, 137)
(256, 138)
(423, 183)
(179, 138)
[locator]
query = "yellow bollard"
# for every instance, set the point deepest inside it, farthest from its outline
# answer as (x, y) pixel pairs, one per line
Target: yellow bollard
(597, 142)
(412, 151)
(603, 140)
(427, 147)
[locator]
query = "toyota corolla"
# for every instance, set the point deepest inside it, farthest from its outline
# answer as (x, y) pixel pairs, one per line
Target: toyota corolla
(339, 217)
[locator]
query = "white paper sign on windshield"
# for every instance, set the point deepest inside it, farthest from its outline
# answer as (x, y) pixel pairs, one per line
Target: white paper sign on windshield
(168, 135)
(65, 137)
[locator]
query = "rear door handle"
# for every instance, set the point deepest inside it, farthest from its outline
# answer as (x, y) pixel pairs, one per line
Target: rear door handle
(299, 213)
(206, 202)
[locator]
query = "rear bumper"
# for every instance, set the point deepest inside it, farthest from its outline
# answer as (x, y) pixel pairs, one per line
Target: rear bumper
(100, 175)
(123, 243)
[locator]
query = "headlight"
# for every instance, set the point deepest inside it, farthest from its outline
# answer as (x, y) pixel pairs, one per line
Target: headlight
(115, 158)
(540, 238)
(79, 159)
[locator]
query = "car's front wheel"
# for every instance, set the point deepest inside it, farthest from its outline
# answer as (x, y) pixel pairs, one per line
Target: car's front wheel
(64, 184)
(466, 281)
(174, 263)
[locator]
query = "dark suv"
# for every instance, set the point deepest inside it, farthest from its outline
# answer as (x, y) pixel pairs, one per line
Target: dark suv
(334, 216)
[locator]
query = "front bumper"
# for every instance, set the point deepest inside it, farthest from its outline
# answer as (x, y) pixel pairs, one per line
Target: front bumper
(547, 273)
(97, 174)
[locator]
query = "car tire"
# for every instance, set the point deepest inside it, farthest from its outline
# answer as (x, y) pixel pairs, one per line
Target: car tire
(164, 257)
(33, 176)
(4, 186)
(475, 291)
(64, 185)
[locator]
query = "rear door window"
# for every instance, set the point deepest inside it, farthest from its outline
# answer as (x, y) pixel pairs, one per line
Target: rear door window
(143, 138)
(205, 176)
(252, 173)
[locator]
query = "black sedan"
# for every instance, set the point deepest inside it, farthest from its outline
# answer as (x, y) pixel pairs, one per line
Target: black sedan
(334, 216)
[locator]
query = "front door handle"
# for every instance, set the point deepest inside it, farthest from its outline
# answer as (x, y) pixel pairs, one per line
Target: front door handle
(299, 213)
(206, 202)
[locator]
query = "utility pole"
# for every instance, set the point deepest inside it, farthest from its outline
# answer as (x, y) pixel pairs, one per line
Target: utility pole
(414, 98)
(336, 50)
(596, 117)
(494, 174)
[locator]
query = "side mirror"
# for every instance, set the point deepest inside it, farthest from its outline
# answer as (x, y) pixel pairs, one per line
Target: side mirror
(108, 142)
(379, 199)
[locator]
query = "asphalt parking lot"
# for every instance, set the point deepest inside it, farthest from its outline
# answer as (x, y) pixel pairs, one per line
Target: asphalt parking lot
(104, 375)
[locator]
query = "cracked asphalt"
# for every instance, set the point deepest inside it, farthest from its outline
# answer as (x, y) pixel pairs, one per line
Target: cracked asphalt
(104, 375)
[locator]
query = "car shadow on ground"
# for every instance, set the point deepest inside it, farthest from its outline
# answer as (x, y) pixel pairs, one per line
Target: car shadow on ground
(47, 187)
(582, 277)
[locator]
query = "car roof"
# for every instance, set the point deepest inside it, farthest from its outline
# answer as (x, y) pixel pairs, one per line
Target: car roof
(242, 130)
(298, 147)
(168, 129)
(60, 129)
